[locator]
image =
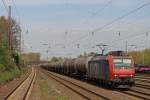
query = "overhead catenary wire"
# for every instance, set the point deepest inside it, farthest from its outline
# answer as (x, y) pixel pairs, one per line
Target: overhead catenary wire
(5, 5)
(7, 8)
(110, 23)
(128, 37)
(91, 16)
(121, 17)
(113, 21)
(15, 8)
(98, 11)
(123, 39)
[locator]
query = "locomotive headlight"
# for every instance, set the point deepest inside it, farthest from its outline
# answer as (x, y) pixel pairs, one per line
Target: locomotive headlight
(115, 75)
(131, 75)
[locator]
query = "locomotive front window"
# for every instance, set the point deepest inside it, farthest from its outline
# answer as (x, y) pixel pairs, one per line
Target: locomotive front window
(126, 63)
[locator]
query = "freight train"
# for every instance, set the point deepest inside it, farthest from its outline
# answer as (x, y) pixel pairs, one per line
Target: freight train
(114, 69)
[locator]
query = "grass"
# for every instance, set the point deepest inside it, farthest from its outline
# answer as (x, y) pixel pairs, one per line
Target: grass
(62, 98)
(44, 87)
(50, 93)
(6, 76)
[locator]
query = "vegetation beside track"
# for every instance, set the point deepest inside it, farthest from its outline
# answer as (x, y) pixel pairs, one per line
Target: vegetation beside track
(141, 57)
(10, 66)
(48, 90)
(9, 75)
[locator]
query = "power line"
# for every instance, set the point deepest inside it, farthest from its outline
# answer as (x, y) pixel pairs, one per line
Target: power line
(98, 11)
(106, 5)
(4, 3)
(93, 14)
(115, 20)
(121, 17)
(17, 12)
(7, 9)
(124, 38)
(129, 37)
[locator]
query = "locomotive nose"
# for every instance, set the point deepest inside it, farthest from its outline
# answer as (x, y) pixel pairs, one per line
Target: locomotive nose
(123, 73)
(123, 76)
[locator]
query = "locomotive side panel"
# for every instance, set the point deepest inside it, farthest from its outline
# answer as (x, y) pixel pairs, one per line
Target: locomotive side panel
(98, 69)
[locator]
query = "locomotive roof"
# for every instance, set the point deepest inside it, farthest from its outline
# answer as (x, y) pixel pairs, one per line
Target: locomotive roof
(105, 57)
(118, 53)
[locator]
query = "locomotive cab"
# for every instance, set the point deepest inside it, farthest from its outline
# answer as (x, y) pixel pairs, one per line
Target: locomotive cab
(123, 70)
(123, 67)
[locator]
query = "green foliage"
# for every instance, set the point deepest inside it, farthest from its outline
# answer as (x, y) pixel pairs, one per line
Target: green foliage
(2, 67)
(4, 53)
(9, 75)
(56, 59)
(8, 59)
(16, 58)
(141, 57)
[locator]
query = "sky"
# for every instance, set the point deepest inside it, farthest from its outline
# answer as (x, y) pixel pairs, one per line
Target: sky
(66, 26)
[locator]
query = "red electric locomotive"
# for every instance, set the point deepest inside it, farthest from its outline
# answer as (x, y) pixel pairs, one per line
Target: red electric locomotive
(115, 71)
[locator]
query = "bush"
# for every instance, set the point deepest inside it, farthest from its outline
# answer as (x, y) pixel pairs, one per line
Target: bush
(2, 67)
(139, 56)
(9, 75)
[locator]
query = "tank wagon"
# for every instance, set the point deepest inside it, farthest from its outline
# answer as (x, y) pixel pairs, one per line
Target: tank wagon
(115, 69)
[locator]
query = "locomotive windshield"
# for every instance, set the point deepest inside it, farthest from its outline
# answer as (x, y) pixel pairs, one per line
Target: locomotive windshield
(121, 62)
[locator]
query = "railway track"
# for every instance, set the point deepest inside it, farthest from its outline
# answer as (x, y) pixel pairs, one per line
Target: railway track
(143, 93)
(137, 94)
(83, 92)
(143, 80)
(93, 91)
(142, 86)
(139, 91)
(22, 92)
(142, 77)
